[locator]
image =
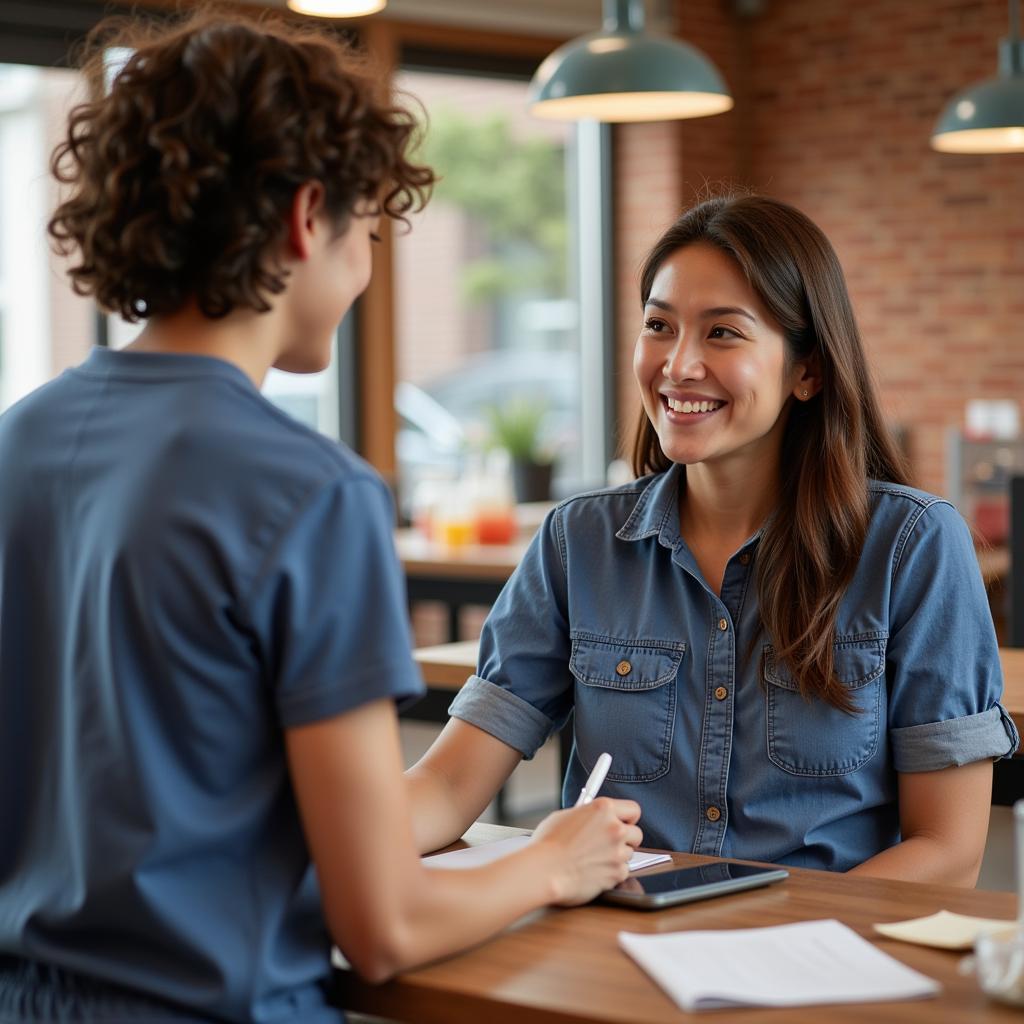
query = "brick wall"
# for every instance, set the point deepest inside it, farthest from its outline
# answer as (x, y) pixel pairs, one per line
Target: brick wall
(835, 106)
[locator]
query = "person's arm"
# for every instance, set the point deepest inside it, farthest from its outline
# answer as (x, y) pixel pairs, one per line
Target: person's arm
(945, 724)
(384, 909)
(522, 694)
(454, 781)
(944, 823)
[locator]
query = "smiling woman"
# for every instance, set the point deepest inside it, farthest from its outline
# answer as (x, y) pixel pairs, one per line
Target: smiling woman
(786, 648)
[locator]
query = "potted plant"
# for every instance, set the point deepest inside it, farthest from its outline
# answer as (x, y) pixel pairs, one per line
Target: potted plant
(516, 427)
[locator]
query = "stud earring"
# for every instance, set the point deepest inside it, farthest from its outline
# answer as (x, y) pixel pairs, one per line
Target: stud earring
(805, 392)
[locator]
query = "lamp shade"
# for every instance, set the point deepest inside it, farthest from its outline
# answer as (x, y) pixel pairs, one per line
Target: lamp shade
(625, 74)
(988, 117)
(337, 8)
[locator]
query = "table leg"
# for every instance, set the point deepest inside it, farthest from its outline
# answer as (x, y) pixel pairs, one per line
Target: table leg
(453, 622)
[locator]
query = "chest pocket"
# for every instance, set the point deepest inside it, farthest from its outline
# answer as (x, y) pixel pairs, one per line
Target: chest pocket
(814, 738)
(625, 704)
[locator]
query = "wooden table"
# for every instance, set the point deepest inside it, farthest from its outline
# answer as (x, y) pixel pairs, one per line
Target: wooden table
(456, 576)
(448, 666)
(564, 966)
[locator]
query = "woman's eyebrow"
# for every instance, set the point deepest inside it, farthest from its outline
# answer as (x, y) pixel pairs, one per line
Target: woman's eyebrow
(726, 310)
(705, 314)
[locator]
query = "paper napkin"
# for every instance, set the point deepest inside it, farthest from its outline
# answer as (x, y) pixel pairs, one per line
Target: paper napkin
(945, 929)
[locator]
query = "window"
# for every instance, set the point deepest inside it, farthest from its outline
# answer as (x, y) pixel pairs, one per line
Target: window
(46, 327)
(485, 292)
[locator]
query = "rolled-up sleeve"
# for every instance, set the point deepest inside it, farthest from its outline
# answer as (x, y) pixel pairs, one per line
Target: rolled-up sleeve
(523, 689)
(943, 667)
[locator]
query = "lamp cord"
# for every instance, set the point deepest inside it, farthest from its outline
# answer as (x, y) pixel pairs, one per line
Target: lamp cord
(623, 15)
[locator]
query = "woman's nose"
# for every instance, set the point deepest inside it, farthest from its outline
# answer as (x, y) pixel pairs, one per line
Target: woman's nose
(685, 361)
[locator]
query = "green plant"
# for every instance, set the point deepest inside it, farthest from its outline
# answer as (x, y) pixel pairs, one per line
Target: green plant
(516, 427)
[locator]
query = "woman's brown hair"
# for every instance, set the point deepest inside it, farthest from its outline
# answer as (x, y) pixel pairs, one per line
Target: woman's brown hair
(832, 444)
(181, 177)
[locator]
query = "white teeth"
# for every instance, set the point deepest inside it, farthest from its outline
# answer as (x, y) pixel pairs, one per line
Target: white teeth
(692, 407)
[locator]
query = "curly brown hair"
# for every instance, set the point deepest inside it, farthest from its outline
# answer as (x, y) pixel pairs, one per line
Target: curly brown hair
(181, 177)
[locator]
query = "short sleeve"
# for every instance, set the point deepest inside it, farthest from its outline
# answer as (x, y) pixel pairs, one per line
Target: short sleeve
(330, 608)
(523, 690)
(944, 674)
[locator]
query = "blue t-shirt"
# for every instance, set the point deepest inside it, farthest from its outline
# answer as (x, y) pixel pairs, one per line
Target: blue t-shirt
(185, 571)
(609, 616)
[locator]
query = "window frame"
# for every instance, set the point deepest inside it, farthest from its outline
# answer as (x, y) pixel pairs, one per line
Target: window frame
(437, 49)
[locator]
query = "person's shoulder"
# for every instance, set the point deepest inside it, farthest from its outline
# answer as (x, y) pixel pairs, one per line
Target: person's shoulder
(902, 496)
(266, 440)
(905, 511)
(27, 414)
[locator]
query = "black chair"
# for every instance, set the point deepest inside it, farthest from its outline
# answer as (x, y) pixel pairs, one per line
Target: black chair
(1008, 775)
(1015, 589)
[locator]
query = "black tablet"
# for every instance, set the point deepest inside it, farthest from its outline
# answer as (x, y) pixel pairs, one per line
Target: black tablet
(667, 888)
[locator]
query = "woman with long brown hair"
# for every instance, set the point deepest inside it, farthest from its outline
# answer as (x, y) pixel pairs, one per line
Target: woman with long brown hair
(786, 648)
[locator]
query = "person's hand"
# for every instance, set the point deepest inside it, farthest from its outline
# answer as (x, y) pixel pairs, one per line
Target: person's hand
(591, 846)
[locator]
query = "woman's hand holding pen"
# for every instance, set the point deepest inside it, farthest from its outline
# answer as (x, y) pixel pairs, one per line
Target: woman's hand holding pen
(591, 845)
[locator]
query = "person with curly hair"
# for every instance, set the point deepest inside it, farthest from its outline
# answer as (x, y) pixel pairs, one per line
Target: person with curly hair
(203, 630)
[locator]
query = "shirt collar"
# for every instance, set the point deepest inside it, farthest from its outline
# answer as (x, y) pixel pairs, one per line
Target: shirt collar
(159, 366)
(656, 512)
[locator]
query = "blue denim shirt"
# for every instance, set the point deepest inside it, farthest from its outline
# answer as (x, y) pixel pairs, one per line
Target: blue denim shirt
(608, 616)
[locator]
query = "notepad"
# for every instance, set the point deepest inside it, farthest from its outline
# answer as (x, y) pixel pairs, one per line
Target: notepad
(474, 856)
(787, 965)
(945, 929)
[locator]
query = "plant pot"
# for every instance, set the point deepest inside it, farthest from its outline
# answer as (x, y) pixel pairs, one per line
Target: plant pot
(532, 480)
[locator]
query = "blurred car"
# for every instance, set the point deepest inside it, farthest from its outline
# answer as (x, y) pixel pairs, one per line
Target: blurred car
(442, 421)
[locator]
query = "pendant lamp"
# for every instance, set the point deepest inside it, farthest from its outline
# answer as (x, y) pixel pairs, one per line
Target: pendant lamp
(623, 74)
(989, 117)
(337, 8)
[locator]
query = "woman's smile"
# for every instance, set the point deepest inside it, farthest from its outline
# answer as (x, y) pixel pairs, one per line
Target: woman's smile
(687, 409)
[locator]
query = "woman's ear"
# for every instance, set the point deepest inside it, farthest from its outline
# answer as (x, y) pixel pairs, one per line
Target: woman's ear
(307, 206)
(808, 380)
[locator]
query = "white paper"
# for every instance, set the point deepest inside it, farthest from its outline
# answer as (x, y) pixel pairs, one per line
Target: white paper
(945, 929)
(787, 965)
(645, 860)
(474, 856)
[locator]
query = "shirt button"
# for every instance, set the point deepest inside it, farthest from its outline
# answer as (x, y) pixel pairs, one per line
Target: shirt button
(713, 813)
(721, 693)
(744, 559)
(623, 668)
(723, 625)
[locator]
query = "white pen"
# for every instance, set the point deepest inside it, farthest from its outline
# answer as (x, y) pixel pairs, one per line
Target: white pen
(593, 783)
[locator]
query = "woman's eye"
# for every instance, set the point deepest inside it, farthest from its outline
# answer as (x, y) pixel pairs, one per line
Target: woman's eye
(655, 325)
(722, 332)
